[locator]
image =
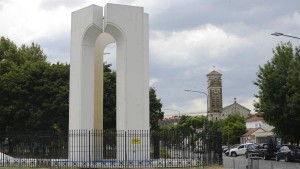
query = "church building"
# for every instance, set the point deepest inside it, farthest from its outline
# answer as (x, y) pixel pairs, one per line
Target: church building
(215, 109)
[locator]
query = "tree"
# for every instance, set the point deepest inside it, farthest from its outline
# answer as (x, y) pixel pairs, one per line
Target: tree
(233, 127)
(109, 97)
(190, 123)
(109, 108)
(34, 93)
(155, 109)
(293, 98)
(278, 83)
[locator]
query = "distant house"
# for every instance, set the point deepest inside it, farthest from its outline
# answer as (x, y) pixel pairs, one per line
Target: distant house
(257, 131)
(173, 120)
(257, 122)
(250, 136)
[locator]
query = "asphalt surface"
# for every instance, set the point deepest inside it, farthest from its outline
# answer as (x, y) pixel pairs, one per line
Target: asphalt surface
(241, 162)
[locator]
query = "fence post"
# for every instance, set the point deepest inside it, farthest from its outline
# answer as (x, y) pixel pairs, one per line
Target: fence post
(233, 163)
(165, 156)
(220, 149)
(89, 149)
(125, 149)
(272, 165)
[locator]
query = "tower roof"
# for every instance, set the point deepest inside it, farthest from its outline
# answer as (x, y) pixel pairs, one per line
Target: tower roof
(214, 73)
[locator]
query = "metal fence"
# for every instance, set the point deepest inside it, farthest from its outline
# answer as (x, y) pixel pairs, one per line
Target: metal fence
(112, 149)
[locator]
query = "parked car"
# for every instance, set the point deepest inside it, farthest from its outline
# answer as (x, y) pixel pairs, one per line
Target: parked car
(224, 148)
(268, 150)
(240, 150)
(226, 152)
(288, 153)
(252, 150)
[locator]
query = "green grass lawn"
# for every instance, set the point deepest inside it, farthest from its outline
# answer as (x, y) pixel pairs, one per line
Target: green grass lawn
(22, 168)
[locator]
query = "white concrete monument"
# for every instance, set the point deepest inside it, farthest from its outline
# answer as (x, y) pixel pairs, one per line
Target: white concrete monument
(91, 31)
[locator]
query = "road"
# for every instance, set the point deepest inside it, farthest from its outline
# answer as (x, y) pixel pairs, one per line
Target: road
(241, 162)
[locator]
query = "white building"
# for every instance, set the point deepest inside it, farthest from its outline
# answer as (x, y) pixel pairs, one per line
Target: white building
(257, 122)
(257, 131)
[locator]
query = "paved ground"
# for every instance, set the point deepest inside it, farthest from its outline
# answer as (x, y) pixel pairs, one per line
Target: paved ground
(241, 162)
(206, 167)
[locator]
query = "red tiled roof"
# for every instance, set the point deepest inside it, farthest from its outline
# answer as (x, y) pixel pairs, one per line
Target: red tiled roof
(254, 118)
(251, 131)
(213, 73)
(171, 118)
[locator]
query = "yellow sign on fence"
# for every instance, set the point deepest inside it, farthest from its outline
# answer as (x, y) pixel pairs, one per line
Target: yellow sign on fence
(136, 141)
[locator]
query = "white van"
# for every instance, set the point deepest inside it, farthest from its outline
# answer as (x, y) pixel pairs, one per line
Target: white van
(240, 150)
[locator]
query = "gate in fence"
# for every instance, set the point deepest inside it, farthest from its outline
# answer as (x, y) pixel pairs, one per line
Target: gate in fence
(112, 149)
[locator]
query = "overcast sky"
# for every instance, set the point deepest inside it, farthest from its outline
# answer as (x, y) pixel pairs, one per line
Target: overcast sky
(187, 38)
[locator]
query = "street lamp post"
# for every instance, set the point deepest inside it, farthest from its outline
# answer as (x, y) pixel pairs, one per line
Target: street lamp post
(281, 34)
(195, 91)
(228, 139)
(175, 110)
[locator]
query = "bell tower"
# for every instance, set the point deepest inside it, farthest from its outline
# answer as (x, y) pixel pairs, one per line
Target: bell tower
(214, 91)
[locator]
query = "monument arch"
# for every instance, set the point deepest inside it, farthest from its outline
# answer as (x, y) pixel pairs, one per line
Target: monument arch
(92, 29)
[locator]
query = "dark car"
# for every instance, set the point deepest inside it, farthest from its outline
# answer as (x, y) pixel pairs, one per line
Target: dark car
(224, 148)
(268, 150)
(252, 150)
(288, 153)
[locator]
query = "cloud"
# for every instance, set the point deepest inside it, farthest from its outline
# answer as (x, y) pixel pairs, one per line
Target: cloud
(195, 105)
(188, 46)
(191, 106)
(249, 103)
(152, 81)
(186, 39)
(2, 3)
(55, 47)
(25, 21)
(51, 5)
(289, 24)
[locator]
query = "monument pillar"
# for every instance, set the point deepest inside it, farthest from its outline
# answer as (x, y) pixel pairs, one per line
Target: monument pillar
(91, 31)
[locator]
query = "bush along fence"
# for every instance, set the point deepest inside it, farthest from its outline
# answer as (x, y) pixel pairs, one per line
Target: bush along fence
(112, 149)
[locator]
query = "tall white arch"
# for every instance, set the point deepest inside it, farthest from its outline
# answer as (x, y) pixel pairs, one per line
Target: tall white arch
(90, 33)
(129, 27)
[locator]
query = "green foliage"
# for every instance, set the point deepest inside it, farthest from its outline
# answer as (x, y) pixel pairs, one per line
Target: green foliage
(109, 97)
(34, 93)
(233, 128)
(188, 126)
(279, 91)
(189, 123)
(109, 105)
(155, 109)
(163, 152)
